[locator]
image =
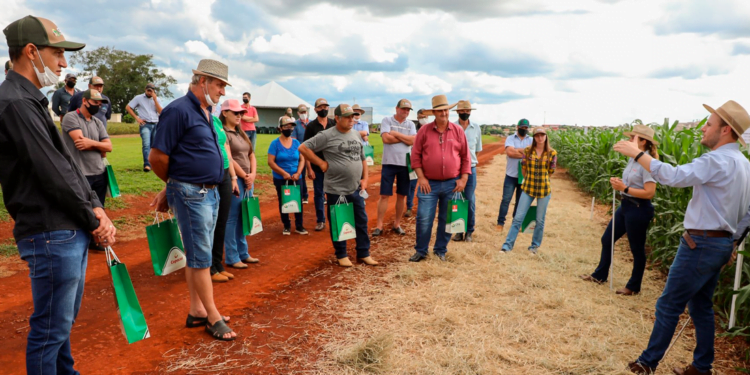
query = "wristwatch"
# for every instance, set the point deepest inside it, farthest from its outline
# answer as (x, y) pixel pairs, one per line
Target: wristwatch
(626, 189)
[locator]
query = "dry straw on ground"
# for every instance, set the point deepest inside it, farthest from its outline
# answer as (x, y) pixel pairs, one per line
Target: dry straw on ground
(484, 312)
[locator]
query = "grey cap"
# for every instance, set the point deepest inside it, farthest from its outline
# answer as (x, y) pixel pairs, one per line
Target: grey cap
(151, 86)
(70, 75)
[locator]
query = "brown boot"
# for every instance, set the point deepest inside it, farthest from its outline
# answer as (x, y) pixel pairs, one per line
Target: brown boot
(640, 369)
(227, 274)
(368, 261)
(345, 262)
(690, 370)
(499, 228)
(219, 278)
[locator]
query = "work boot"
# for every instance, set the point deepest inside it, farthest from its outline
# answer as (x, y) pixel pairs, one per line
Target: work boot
(368, 261)
(320, 226)
(345, 262)
(408, 213)
(467, 237)
(640, 369)
(690, 370)
(458, 237)
(219, 278)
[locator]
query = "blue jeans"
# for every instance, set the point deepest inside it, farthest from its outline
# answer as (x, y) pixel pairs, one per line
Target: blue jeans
(410, 196)
(278, 183)
(235, 243)
(437, 199)
(471, 187)
(510, 185)
(319, 196)
(523, 208)
(147, 139)
(57, 269)
(691, 281)
(196, 210)
(360, 225)
(252, 135)
(632, 217)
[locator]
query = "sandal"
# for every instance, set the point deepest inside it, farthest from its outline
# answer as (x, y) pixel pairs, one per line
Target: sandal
(591, 278)
(195, 322)
(218, 330)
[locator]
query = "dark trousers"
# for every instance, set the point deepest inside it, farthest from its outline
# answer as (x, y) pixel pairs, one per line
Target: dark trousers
(319, 196)
(279, 182)
(632, 217)
(303, 184)
(360, 225)
(99, 184)
(225, 202)
(410, 196)
(510, 185)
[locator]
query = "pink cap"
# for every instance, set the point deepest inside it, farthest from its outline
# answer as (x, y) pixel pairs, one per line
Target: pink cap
(232, 105)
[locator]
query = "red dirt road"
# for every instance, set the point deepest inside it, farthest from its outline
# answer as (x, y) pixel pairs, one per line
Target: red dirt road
(259, 300)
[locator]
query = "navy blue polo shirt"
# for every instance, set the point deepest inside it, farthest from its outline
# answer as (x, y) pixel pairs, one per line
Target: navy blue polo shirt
(191, 142)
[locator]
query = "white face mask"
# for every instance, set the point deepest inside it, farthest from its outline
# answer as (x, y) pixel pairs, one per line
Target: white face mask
(48, 78)
(210, 102)
(423, 121)
(303, 116)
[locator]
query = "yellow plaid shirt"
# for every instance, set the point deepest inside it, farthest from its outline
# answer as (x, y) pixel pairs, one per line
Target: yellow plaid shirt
(536, 172)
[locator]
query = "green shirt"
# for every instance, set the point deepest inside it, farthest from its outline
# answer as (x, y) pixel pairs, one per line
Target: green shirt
(222, 140)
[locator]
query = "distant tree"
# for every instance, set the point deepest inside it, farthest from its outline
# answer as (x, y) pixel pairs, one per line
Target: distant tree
(125, 74)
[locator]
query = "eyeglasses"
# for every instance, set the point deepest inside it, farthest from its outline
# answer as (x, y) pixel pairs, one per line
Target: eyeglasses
(237, 113)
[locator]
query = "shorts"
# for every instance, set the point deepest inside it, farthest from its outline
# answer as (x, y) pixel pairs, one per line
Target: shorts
(388, 174)
(196, 215)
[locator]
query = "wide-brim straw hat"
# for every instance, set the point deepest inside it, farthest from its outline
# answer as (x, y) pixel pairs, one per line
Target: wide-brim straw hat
(734, 115)
(440, 102)
(643, 132)
(213, 69)
(462, 105)
(358, 109)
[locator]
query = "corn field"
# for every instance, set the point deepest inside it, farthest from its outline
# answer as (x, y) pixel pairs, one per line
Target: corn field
(589, 159)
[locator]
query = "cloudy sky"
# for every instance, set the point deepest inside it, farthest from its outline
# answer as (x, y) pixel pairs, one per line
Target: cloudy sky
(586, 62)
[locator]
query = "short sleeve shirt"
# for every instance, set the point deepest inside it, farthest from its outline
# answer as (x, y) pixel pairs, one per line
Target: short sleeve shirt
(240, 148)
(474, 139)
(362, 125)
(145, 107)
(395, 154)
(511, 168)
(286, 158)
(635, 176)
(90, 161)
(344, 153)
(252, 112)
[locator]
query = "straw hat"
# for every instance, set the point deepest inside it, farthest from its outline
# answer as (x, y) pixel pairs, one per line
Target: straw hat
(643, 132)
(358, 109)
(464, 104)
(440, 102)
(213, 69)
(734, 115)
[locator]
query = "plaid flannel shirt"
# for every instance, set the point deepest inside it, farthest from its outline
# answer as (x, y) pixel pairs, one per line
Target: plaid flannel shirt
(536, 172)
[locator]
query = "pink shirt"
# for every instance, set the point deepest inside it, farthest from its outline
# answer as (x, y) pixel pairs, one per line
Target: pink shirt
(441, 160)
(251, 112)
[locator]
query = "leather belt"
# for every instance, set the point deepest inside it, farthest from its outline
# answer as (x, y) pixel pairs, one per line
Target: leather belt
(709, 233)
(203, 186)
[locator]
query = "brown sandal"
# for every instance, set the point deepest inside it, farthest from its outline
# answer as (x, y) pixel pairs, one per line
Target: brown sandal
(591, 278)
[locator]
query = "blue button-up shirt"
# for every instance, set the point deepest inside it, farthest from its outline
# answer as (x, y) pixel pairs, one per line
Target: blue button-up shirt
(191, 142)
(360, 126)
(474, 139)
(721, 187)
(299, 130)
(511, 167)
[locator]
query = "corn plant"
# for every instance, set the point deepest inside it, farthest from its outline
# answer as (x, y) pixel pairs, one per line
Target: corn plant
(590, 159)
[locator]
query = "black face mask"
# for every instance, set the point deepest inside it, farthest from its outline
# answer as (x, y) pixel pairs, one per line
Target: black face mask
(93, 109)
(245, 100)
(464, 116)
(322, 113)
(522, 132)
(70, 84)
(286, 132)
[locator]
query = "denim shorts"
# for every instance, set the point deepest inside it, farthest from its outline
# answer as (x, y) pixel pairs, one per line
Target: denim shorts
(388, 174)
(196, 210)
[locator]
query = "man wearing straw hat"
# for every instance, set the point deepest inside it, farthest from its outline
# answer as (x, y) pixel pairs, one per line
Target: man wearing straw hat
(186, 155)
(54, 210)
(721, 197)
(345, 169)
(474, 140)
(440, 157)
(361, 125)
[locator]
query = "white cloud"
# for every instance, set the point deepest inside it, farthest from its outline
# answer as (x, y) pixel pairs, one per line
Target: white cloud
(284, 44)
(199, 48)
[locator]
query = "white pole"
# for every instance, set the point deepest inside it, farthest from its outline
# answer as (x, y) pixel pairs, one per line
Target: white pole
(593, 199)
(737, 280)
(612, 260)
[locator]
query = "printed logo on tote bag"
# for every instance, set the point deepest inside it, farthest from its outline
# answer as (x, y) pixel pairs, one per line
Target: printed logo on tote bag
(175, 261)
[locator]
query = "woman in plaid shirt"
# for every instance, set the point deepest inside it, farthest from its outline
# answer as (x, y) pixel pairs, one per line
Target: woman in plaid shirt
(538, 163)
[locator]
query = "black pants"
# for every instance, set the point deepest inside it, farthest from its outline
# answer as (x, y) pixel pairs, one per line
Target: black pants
(99, 184)
(632, 217)
(225, 200)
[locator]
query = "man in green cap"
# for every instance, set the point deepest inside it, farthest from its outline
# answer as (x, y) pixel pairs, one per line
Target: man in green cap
(54, 209)
(514, 146)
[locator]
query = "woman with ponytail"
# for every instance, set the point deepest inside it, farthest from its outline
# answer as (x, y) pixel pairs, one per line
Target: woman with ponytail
(634, 215)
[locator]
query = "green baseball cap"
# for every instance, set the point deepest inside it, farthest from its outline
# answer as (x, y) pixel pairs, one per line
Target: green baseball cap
(37, 31)
(343, 110)
(523, 122)
(94, 95)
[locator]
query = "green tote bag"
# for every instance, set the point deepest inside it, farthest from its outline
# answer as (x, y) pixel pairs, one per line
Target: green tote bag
(251, 222)
(132, 321)
(412, 174)
(529, 221)
(520, 173)
(369, 154)
(458, 214)
(291, 199)
(342, 220)
(165, 245)
(114, 188)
